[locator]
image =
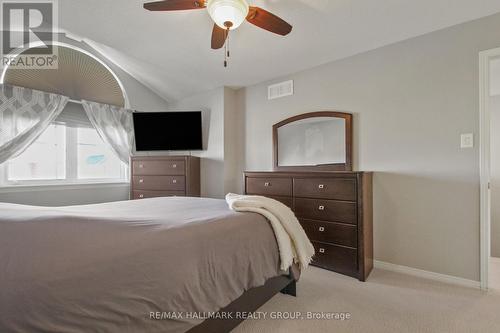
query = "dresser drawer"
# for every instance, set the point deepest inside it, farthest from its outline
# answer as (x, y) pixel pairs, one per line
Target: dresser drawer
(156, 194)
(325, 188)
(269, 186)
(158, 167)
(326, 210)
(159, 183)
(336, 258)
(336, 233)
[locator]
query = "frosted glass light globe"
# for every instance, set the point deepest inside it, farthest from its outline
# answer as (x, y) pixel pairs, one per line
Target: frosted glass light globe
(228, 12)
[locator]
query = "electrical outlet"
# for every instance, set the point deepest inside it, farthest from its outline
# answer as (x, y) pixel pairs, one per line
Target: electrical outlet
(467, 140)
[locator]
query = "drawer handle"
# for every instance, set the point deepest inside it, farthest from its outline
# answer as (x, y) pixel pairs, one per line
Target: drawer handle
(321, 207)
(141, 196)
(174, 166)
(141, 166)
(174, 181)
(321, 186)
(141, 180)
(321, 250)
(267, 184)
(321, 229)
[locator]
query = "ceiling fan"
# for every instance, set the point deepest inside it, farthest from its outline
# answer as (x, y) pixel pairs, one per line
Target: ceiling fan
(227, 15)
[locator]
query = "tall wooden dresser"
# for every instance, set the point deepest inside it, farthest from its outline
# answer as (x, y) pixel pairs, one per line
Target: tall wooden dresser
(335, 210)
(160, 176)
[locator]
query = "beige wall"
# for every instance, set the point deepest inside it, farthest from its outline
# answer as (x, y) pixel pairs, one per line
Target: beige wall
(233, 142)
(495, 175)
(411, 101)
(222, 128)
(211, 103)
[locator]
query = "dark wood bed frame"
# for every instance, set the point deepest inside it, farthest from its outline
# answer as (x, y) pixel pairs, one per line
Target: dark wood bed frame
(250, 301)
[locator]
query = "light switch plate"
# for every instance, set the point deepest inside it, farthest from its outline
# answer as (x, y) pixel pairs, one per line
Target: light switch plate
(467, 140)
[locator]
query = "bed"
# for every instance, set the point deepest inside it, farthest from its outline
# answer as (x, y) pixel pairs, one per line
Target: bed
(154, 265)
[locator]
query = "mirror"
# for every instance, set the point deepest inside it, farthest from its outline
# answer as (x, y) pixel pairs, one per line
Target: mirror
(314, 141)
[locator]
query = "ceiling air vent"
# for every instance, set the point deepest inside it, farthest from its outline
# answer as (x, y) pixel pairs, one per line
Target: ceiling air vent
(280, 90)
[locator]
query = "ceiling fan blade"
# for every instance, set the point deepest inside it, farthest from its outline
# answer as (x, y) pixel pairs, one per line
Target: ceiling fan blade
(270, 22)
(167, 5)
(219, 36)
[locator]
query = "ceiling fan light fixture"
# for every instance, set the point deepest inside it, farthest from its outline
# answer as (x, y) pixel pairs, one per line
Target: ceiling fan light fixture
(228, 13)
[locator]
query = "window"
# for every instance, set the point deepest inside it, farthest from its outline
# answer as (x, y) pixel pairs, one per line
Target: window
(95, 160)
(69, 151)
(44, 159)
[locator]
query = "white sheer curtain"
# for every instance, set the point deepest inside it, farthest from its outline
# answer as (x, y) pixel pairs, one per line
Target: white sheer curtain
(24, 116)
(114, 125)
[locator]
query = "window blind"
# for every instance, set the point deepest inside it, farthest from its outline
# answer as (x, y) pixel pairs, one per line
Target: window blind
(74, 115)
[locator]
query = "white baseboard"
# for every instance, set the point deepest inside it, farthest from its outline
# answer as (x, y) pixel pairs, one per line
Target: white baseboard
(426, 274)
(495, 259)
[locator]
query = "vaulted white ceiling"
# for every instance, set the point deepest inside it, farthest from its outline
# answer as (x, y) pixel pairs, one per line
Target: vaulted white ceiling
(170, 51)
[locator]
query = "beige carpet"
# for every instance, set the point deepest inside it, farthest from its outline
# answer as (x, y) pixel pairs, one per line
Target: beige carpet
(387, 302)
(494, 278)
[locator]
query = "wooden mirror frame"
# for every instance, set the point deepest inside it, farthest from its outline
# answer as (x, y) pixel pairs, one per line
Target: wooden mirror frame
(347, 166)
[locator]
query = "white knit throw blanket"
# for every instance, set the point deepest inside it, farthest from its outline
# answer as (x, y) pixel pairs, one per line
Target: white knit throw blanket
(293, 244)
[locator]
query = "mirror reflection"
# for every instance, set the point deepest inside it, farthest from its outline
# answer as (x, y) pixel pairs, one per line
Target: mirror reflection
(312, 142)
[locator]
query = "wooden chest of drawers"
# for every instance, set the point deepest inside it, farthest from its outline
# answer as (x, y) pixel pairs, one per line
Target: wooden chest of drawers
(335, 210)
(160, 176)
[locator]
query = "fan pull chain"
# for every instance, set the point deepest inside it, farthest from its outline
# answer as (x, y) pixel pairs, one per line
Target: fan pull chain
(227, 51)
(226, 48)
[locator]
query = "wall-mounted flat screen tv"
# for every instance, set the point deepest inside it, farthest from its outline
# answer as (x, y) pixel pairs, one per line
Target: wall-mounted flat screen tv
(168, 130)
